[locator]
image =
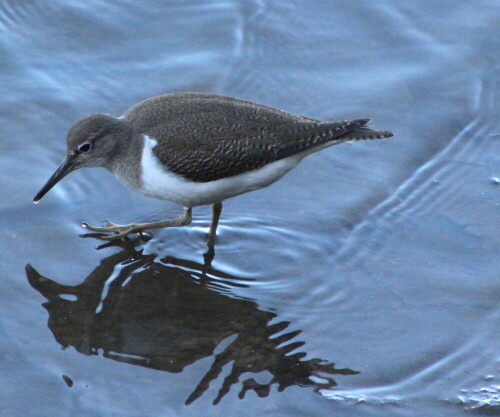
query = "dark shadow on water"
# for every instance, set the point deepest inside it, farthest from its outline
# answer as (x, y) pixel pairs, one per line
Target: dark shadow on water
(167, 314)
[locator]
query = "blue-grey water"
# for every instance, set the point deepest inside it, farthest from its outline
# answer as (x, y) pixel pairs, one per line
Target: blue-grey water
(364, 283)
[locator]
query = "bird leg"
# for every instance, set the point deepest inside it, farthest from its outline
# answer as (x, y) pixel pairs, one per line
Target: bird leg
(124, 230)
(210, 254)
(216, 211)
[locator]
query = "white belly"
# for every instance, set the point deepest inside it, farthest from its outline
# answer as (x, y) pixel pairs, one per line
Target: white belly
(158, 182)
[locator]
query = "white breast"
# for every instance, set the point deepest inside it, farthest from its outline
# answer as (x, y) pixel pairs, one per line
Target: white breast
(159, 182)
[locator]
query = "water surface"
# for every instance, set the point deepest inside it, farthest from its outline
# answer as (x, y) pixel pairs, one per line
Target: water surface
(366, 282)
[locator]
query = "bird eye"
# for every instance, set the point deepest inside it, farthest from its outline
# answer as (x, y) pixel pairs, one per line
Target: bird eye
(85, 147)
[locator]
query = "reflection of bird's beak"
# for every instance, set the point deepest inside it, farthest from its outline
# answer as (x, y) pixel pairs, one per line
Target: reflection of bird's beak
(66, 167)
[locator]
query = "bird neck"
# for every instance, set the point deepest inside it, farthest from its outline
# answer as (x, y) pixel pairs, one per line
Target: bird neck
(126, 163)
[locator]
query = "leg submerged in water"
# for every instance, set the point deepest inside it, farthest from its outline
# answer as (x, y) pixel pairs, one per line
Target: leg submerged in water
(216, 212)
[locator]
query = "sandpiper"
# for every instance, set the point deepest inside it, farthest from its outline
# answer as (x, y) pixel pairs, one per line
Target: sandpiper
(196, 149)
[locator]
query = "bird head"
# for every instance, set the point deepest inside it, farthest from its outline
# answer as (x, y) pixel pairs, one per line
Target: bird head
(92, 142)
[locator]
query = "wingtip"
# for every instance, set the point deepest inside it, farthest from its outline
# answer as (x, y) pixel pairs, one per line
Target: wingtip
(357, 123)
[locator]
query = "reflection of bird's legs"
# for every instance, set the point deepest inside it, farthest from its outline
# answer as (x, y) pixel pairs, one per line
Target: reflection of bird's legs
(124, 230)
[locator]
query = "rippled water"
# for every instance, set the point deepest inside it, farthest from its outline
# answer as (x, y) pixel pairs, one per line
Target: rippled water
(366, 282)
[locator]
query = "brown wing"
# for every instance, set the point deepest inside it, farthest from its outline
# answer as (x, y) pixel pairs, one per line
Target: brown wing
(205, 137)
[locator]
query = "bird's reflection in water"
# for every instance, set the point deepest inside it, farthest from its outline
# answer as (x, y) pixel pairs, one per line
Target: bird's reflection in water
(167, 314)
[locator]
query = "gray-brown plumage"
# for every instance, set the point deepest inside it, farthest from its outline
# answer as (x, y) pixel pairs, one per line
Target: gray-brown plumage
(204, 137)
(196, 149)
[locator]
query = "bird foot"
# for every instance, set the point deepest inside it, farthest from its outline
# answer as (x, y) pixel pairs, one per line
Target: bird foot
(118, 231)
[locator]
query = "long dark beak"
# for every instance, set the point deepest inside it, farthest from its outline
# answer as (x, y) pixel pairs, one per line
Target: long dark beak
(66, 167)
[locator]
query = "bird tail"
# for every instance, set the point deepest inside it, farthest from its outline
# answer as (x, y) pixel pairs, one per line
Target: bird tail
(359, 131)
(313, 137)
